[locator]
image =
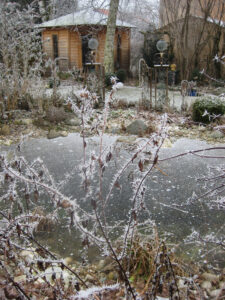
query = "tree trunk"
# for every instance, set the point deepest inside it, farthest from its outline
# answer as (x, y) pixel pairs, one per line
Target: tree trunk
(110, 36)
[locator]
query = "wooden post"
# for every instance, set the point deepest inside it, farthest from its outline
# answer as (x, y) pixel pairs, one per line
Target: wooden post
(69, 49)
(155, 87)
(150, 85)
(103, 83)
(167, 95)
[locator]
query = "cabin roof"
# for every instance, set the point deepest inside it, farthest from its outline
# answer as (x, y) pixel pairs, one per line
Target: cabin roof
(83, 17)
(221, 23)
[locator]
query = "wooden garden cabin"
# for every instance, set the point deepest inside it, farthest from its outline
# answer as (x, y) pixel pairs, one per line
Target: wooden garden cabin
(66, 38)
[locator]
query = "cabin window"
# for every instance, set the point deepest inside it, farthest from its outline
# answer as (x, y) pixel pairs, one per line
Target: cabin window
(55, 46)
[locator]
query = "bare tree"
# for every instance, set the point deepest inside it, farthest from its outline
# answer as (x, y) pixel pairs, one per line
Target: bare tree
(50, 9)
(194, 29)
(111, 28)
(62, 7)
(145, 16)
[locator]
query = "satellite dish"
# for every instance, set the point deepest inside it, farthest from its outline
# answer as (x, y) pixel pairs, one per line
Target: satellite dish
(161, 45)
(93, 44)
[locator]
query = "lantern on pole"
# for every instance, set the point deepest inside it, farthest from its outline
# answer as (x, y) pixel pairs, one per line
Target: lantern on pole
(161, 47)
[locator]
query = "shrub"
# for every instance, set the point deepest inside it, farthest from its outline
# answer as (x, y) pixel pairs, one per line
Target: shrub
(64, 75)
(108, 78)
(213, 107)
(41, 123)
(5, 130)
(56, 114)
(121, 74)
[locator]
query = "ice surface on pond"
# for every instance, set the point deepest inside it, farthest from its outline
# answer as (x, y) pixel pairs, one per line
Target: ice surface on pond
(171, 189)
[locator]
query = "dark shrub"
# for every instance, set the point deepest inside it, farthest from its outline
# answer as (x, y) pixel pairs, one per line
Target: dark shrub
(64, 75)
(213, 106)
(121, 74)
(108, 78)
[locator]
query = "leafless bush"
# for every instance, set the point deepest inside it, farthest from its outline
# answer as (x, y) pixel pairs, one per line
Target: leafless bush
(37, 182)
(55, 114)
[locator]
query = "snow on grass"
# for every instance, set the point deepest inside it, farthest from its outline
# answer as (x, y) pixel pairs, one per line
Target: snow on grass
(86, 294)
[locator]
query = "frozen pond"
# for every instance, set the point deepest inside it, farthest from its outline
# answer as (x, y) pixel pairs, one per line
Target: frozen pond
(170, 196)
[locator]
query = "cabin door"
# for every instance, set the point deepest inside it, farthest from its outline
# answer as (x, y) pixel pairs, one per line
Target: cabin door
(86, 52)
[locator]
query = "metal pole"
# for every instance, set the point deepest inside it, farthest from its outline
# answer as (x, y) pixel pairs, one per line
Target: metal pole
(155, 86)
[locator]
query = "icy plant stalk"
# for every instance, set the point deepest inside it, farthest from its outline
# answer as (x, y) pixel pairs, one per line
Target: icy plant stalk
(82, 103)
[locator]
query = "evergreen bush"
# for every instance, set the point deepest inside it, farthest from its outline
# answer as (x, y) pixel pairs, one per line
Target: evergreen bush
(64, 75)
(213, 107)
(108, 78)
(121, 74)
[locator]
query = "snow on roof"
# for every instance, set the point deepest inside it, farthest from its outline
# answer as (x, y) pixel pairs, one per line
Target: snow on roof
(83, 17)
(216, 21)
